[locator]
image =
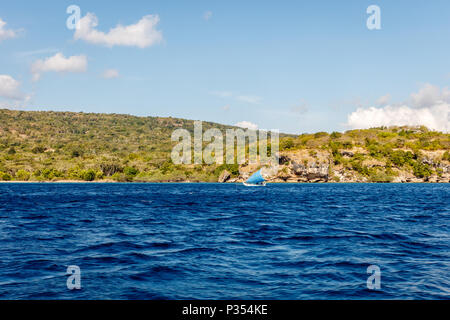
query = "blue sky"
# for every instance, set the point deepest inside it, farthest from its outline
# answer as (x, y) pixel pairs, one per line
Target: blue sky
(296, 66)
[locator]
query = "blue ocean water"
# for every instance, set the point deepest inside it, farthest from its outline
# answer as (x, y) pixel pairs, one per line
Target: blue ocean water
(224, 241)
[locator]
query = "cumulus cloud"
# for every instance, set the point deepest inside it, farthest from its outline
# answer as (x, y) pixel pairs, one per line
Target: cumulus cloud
(436, 117)
(429, 95)
(59, 63)
(247, 125)
(207, 15)
(110, 74)
(430, 107)
(384, 100)
(6, 33)
(10, 88)
(141, 34)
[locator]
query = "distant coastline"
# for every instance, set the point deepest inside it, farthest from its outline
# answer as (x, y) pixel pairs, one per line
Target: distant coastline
(68, 147)
(203, 182)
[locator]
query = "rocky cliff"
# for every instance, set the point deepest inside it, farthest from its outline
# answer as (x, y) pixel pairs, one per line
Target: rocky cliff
(321, 166)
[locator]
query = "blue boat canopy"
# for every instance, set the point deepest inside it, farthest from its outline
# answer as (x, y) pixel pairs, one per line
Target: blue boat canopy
(255, 178)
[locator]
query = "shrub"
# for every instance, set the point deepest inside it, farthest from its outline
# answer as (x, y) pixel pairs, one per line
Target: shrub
(119, 177)
(110, 168)
(50, 173)
(358, 167)
(380, 177)
(286, 144)
(130, 171)
(74, 173)
(399, 143)
(88, 175)
(5, 176)
(421, 170)
(133, 156)
(400, 158)
(23, 175)
(38, 149)
(313, 153)
(387, 134)
(347, 145)
(335, 145)
(232, 168)
(320, 134)
(99, 175)
(166, 167)
(12, 150)
(76, 153)
(446, 156)
(335, 135)
(337, 157)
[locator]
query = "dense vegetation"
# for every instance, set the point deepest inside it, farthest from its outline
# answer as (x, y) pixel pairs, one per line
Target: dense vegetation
(48, 146)
(379, 154)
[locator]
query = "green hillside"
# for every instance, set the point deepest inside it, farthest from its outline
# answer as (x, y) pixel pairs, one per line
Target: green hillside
(45, 146)
(49, 146)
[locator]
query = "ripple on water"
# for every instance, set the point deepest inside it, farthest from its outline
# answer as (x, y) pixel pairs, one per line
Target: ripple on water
(181, 241)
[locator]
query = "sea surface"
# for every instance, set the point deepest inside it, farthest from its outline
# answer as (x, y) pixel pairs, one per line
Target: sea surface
(224, 241)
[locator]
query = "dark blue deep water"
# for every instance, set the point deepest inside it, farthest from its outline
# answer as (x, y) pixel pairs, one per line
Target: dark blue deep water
(224, 241)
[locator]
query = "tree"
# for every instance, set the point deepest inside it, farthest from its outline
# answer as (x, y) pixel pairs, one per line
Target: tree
(446, 156)
(130, 171)
(38, 149)
(421, 170)
(5, 176)
(110, 168)
(335, 135)
(76, 153)
(88, 175)
(23, 175)
(286, 144)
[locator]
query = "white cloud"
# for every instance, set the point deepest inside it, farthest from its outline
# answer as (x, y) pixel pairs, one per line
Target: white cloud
(142, 34)
(10, 88)
(436, 117)
(207, 15)
(427, 96)
(247, 125)
(59, 63)
(383, 100)
(249, 99)
(6, 33)
(430, 107)
(37, 52)
(110, 74)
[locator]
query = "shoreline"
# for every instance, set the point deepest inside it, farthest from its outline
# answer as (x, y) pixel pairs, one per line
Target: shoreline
(204, 182)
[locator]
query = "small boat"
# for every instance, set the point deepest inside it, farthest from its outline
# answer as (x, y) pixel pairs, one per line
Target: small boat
(256, 180)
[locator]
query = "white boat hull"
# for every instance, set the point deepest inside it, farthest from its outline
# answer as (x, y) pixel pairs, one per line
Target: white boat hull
(262, 184)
